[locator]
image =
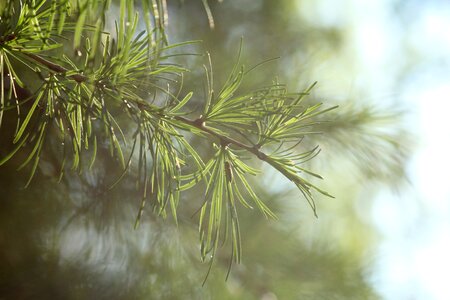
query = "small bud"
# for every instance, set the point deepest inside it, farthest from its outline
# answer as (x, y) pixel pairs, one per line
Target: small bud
(228, 171)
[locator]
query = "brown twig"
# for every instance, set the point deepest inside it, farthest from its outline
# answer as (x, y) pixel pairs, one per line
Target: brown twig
(200, 124)
(57, 68)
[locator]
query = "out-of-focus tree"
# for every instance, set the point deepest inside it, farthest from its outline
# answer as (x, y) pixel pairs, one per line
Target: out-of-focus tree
(111, 103)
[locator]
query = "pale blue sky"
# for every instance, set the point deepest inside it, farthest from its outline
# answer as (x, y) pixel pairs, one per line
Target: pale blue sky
(399, 53)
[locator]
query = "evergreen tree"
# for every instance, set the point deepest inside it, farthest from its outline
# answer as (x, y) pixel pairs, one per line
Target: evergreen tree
(87, 91)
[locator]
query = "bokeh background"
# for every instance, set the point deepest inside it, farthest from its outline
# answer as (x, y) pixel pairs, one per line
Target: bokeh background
(384, 157)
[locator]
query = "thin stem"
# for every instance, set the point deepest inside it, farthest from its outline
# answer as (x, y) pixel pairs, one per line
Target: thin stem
(57, 68)
(224, 140)
(200, 124)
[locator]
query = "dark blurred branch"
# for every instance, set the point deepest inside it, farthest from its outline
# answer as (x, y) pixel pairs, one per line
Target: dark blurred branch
(56, 68)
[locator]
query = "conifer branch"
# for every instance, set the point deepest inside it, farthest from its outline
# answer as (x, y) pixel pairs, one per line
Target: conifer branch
(134, 68)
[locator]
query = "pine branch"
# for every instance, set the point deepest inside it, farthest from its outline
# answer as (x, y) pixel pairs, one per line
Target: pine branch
(128, 71)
